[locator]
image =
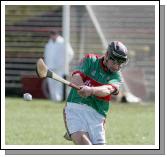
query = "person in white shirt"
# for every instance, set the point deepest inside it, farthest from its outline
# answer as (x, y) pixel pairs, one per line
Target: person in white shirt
(54, 56)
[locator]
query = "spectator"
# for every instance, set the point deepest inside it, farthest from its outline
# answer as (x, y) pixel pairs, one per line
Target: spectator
(54, 56)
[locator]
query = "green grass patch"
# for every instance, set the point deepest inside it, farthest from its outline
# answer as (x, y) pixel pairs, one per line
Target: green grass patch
(40, 122)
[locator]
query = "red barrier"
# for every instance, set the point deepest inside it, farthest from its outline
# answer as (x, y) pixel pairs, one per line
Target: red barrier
(35, 86)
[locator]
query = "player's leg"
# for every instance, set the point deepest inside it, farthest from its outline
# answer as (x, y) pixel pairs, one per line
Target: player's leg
(96, 129)
(97, 135)
(75, 125)
(81, 138)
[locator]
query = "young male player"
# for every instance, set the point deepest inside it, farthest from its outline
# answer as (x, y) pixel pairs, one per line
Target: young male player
(86, 109)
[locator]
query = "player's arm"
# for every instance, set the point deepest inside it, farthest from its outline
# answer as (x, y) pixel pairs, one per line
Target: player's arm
(100, 91)
(105, 90)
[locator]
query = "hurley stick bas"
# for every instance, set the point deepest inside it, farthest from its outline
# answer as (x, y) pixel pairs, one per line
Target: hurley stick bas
(43, 72)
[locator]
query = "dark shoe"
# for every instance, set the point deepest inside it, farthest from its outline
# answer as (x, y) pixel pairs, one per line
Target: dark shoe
(67, 136)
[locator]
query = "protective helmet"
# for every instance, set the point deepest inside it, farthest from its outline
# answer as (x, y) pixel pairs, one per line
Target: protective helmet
(117, 51)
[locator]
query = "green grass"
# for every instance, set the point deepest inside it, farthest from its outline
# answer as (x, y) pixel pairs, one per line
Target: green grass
(40, 122)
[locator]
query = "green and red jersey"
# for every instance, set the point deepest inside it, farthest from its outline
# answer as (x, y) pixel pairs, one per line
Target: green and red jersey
(94, 73)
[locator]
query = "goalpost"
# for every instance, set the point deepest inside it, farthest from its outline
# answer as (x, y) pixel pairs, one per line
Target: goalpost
(66, 35)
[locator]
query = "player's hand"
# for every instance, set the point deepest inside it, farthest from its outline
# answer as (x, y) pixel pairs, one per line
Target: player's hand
(85, 91)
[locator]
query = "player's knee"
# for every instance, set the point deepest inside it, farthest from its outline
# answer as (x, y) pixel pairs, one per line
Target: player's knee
(80, 138)
(77, 138)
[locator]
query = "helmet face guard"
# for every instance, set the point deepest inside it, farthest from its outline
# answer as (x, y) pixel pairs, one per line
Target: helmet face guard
(117, 52)
(117, 59)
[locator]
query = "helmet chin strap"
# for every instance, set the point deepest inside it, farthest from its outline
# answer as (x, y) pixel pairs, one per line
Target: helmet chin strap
(106, 59)
(105, 63)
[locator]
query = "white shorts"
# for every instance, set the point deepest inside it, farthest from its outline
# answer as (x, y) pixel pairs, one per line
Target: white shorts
(84, 118)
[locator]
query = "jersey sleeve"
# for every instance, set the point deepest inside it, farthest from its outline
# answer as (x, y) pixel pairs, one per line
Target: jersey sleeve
(115, 82)
(116, 79)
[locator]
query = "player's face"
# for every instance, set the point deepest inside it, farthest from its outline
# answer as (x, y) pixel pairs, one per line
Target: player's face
(113, 66)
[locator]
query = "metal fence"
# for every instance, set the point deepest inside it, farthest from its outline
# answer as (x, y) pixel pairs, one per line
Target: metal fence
(27, 28)
(134, 26)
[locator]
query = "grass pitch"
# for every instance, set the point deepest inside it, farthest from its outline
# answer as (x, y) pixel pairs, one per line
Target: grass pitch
(40, 122)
